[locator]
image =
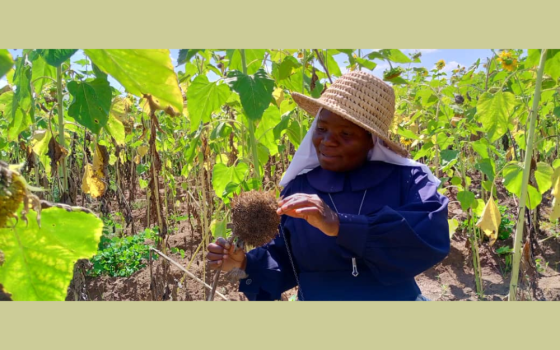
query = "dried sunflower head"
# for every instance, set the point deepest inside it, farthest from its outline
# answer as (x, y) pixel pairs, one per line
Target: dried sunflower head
(14, 190)
(254, 217)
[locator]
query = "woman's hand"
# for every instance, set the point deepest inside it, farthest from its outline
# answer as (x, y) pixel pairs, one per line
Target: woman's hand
(312, 209)
(221, 254)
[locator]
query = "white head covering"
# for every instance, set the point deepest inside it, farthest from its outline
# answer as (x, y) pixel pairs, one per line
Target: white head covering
(305, 159)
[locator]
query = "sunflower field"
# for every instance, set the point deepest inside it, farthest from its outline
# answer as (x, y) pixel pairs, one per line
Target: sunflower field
(117, 169)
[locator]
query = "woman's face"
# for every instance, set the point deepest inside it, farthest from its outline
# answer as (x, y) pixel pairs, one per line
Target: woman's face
(340, 144)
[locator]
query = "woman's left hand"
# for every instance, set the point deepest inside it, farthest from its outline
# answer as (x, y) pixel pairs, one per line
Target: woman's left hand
(312, 209)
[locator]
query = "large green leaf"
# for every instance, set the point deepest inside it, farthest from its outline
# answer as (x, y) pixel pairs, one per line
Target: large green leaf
(466, 198)
(142, 72)
(552, 64)
(185, 55)
(6, 62)
(448, 157)
(222, 175)
(265, 130)
(494, 112)
(55, 57)
(481, 147)
(397, 56)
(6, 102)
(363, 62)
(295, 133)
(513, 175)
(284, 70)
(255, 91)
(486, 165)
(513, 178)
(392, 55)
(41, 72)
(203, 98)
(91, 104)
(253, 59)
(543, 175)
(115, 128)
(22, 101)
(534, 197)
(39, 262)
(332, 66)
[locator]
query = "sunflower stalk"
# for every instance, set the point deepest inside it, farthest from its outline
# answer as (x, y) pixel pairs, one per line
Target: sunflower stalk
(518, 241)
(251, 123)
(61, 139)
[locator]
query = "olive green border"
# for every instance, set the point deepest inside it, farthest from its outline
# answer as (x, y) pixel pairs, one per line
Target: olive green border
(472, 24)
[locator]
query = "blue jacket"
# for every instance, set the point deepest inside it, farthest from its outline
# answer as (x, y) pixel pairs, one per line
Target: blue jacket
(402, 231)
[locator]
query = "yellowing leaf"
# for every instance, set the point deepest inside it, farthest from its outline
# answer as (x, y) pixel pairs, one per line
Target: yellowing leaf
(490, 220)
(100, 161)
(556, 183)
(453, 224)
(120, 108)
(93, 182)
(142, 151)
(509, 154)
(142, 72)
(278, 96)
(555, 213)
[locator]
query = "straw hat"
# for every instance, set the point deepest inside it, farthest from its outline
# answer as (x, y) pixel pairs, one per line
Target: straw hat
(361, 98)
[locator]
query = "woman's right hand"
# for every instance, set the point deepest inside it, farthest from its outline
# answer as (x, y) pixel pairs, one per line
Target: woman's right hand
(221, 254)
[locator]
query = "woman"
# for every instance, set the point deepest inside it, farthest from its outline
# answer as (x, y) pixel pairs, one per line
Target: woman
(360, 219)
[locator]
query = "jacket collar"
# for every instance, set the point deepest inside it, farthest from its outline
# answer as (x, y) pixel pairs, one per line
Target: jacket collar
(371, 174)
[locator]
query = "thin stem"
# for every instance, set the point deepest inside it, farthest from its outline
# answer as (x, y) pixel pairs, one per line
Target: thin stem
(526, 171)
(61, 139)
(323, 64)
(253, 140)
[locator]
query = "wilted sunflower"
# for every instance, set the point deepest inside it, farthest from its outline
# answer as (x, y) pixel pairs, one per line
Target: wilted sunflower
(440, 64)
(254, 217)
(405, 142)
(13, 191)
(392, 73)
(507, 60)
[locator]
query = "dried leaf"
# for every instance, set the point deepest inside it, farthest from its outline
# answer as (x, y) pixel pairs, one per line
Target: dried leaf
(490, 220)
(94, 180)
(509, 154)
(100, 161)
(56, 153)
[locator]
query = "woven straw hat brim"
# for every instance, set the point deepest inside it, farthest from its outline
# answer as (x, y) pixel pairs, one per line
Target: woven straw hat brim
(312, 105)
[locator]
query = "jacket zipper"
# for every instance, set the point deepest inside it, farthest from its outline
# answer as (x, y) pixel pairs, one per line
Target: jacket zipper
(354, 267)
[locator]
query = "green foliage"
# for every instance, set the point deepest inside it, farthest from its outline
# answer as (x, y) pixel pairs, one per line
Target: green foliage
(122, 256)
(507, 225)
(22, 101)
(55, 57)
(255, 91)
(204, 98)
(91, 104)
(6, 62)
(142, 72)
(494, 112)
(39, 261)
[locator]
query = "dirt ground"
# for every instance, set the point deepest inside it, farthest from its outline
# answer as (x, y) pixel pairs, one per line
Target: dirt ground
(452, 279)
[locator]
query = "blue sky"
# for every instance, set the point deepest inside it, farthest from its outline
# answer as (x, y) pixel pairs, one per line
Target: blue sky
(452, 57)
